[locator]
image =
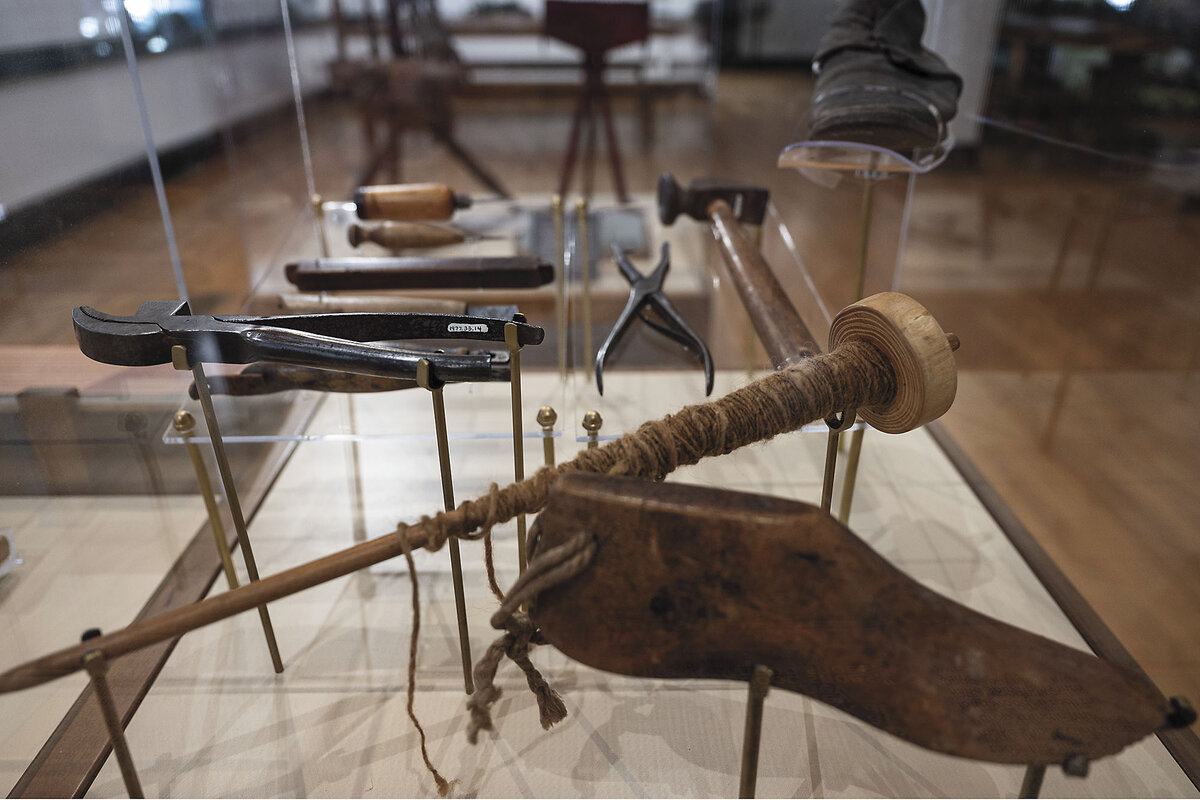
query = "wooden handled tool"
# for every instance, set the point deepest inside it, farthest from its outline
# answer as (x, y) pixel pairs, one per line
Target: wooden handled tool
(324, 303)
(359, 273)
(409, 201)
(695, 582)
(889, 355)
(780, 329)
(401, 235)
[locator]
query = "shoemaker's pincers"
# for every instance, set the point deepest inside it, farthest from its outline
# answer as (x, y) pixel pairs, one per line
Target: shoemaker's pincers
(647, 291)
(347, 342)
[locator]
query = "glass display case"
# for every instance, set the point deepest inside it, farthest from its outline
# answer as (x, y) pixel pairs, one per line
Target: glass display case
(193, 150)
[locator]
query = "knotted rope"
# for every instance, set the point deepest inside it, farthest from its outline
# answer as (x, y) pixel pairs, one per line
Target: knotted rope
(554, 566)
(854, 375)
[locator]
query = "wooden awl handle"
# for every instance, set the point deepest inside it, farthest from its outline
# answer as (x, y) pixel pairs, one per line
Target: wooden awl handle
(401, 235)
(409, 201)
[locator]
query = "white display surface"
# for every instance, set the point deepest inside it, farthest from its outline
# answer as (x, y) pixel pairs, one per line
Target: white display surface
(218, 722)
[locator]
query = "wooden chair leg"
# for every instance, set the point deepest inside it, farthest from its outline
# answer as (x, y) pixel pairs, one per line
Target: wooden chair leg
(614, 150)
(473, 166)
(564, 177)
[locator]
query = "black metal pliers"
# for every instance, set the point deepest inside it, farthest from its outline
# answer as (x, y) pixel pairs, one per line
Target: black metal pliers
(347, 342)
(647, 291)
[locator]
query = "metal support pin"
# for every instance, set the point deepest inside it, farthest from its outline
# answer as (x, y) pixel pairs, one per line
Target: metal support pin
(319, 213)
(860, 281)
(546, 417)
(856, 439)
(518, 427)
(760, 684)
(97, 669)
(181, 361)
(427, 381)
(1031, 784)
(831, 451)
(185, 423)
(585, 267)
(592, 421)
(556, 211)
(864, 239)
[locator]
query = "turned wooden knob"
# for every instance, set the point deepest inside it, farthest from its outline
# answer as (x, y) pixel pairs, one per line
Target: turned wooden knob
(918, 349)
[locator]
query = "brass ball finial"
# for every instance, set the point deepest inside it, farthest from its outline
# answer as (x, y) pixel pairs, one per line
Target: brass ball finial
(183, 422)
(547, 416)
(592, 421)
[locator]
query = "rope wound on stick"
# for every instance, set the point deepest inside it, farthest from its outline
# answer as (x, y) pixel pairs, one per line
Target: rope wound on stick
(889, 358)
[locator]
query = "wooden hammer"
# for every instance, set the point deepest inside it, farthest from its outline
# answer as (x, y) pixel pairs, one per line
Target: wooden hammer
(785, 337)
(725, 204)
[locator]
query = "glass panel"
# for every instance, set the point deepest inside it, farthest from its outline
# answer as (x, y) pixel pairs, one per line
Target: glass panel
(1060, 242)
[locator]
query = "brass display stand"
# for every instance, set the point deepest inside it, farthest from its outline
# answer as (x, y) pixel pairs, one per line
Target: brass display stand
(97, 670)
(185, 424)
(434, 386)
(518, 428)
(183, 361)
(870, 164)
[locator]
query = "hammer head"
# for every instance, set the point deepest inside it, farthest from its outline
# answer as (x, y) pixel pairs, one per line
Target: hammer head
(134, 341)
(749, 203)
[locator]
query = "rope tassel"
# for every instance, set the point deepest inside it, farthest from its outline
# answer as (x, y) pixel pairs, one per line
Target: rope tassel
(551, 568)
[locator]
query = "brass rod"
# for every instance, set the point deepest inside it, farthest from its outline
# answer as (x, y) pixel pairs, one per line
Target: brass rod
(546, 417)
(831, 451)
(585, 266)
(425, 380)
(518, 428)
(1031, 784)
(756, 693)
(860, 282)
(856, 439)
(556, 211)
(97, 668)
(180, 358)
(185, 423)
(864, 239)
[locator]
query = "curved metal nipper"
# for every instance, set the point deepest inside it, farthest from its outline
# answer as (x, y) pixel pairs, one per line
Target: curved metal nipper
(647, 291)
(347, 342)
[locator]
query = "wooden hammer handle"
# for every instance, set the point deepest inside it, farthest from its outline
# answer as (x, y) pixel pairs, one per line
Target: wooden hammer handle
(408, 201)
(783, 334)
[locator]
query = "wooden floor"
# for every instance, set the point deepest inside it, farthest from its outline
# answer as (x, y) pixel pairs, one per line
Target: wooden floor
(1074, 290)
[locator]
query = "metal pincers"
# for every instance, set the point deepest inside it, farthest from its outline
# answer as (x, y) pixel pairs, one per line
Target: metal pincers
(345, 342)
(647, 291)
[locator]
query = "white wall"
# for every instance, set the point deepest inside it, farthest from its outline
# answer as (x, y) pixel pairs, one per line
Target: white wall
(964, 34)
(60, 129)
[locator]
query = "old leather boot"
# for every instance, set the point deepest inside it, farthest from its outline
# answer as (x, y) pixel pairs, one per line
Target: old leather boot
(876, 84)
